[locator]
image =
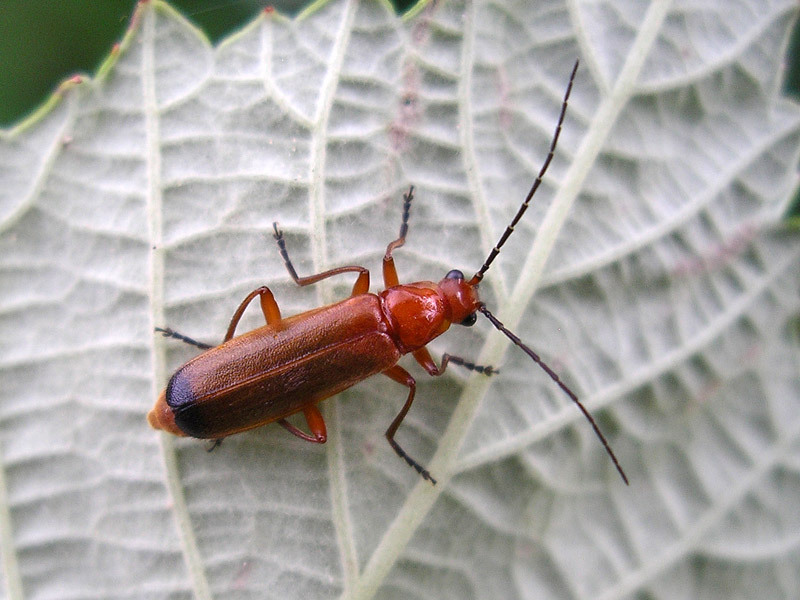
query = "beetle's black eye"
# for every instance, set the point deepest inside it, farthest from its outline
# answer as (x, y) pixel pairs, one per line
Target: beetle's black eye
(454, 274)
(470, 320)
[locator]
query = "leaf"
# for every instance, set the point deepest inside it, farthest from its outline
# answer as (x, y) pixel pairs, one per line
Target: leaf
(651, 272)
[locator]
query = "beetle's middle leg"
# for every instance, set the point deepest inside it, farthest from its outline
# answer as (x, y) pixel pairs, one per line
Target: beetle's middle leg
(390, 278)
(400, 375)
(362, 283)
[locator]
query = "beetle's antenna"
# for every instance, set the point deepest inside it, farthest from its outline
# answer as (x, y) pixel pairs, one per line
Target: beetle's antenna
(510, 229)
(560, 383)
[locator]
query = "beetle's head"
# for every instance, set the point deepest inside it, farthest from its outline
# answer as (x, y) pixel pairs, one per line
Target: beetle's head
(462, 296)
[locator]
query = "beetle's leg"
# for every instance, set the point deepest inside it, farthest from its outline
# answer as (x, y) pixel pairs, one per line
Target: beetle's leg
(423, 357)
(390, 278)
(268, 306)
(400, 375)
(214, 444)
(315, 423)
(179, 336)
(471, 366)
(362, 283)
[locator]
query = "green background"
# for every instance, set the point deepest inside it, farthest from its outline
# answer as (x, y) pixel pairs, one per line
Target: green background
(43, 42)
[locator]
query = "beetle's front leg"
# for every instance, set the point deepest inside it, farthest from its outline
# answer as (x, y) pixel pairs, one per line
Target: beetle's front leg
(423, 357)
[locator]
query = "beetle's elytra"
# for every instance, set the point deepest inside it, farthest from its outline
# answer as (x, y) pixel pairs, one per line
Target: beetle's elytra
(290, 364)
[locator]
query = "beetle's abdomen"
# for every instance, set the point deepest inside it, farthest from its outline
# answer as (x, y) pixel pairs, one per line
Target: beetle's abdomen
(276, 370)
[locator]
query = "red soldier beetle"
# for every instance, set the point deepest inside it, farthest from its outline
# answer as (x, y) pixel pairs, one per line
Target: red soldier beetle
(289, 365)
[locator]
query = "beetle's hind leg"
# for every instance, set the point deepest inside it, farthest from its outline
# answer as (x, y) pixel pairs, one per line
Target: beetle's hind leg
(316, 424)
(214, 444)
(272, 314)
(171, 333)
(269, 307)
(400, 375)
(362, 283)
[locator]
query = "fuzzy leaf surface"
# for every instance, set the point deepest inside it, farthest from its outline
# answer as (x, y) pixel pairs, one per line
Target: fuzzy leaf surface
(651, 272)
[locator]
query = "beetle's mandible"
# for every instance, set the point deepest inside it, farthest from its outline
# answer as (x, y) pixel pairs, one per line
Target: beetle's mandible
(289, 365)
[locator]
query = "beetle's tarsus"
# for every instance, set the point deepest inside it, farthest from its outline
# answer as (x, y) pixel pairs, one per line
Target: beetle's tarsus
(171, 333)
(424, 473)
(487, 370)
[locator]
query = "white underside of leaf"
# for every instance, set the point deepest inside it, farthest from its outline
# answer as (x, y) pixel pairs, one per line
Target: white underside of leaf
(651, 271)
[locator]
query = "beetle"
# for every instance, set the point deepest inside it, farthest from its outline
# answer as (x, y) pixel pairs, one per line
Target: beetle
(290, 364)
